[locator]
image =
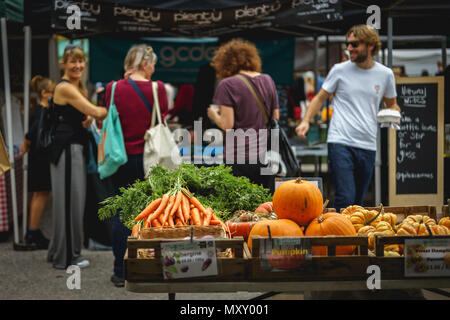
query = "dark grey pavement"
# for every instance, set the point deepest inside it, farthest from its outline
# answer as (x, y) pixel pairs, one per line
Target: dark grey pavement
(28, 275)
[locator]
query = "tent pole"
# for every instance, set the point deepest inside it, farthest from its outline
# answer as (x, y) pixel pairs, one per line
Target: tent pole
(9, 127)
(390, 42)
(444, 52)
(26, 103)
(316, 63)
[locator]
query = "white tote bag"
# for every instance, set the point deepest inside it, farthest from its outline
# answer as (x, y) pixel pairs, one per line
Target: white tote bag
(160, 147)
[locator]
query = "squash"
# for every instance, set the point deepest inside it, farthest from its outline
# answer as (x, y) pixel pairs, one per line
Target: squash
(278, 228)
(445, 221)
(298, 200)
(361, 217)
(240, 229)
(351, 209)
(331, 223)
(265, 207)
(420, 219)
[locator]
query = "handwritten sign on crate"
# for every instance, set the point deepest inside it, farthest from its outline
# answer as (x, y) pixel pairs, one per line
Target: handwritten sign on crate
(416, 150)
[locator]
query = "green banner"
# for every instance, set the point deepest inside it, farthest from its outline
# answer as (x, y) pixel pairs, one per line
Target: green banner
(180, 60)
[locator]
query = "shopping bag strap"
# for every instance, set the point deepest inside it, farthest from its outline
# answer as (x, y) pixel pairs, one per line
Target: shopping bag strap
(156, 102)
(141, 95)
(257, 98)
(113, 89)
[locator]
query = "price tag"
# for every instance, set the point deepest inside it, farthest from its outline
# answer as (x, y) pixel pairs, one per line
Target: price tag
(187, 259)
(278, 254)
(427, 258)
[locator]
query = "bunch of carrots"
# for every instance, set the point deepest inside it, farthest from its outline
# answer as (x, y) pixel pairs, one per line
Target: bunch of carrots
(178, 207)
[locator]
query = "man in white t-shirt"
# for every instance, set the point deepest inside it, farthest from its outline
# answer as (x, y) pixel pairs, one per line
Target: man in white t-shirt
(358, 87)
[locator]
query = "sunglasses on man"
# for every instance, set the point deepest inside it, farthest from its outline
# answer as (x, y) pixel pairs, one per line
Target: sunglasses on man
(354, 44)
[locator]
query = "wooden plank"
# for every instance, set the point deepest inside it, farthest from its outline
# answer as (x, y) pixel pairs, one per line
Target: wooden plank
(318, 268)
(279, 286)
(409, 210)
(151, 270)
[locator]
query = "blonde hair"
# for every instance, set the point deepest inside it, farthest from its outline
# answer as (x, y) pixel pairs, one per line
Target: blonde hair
(78, 53)
(138, 54)
(39, 83)
(368, 35)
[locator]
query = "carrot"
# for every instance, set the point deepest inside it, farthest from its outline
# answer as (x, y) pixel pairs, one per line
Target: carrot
(152, 206)
(214, 223)
(196, 216)
(170, 220)
(180, 215)
(208, 217)
(177, 202)
(185, 207)
(135, 230)
(167, 210)
(179, 223)
(161, 207)
(195, 201)
(156, 223)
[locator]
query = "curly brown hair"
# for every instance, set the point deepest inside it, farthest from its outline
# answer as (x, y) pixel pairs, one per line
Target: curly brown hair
(234, 56)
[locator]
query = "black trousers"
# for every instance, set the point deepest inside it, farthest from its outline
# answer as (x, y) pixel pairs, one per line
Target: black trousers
(253, 172)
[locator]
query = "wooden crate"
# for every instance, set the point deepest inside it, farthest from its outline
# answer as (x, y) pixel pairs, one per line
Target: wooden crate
(338, 268)
(149, 269)
(403, 212)
(445, 211)
(330, 267)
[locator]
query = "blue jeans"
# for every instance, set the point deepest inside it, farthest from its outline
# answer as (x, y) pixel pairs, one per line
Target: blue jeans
(125, 175)
(351, 172)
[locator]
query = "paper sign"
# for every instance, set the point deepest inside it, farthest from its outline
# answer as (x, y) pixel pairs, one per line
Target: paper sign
(427, 258)
(280, 254)
(186, 259)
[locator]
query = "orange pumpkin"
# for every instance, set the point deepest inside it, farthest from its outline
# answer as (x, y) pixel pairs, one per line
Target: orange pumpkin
(298, 200)
(331, 223)
(278, 228)
(445, 221)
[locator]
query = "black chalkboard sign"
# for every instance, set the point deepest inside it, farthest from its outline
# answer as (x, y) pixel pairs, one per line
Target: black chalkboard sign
(416, 156)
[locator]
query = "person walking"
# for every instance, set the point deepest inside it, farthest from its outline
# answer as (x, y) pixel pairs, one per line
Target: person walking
(39, 182)
(239, 108)
(135, 119)
(359, 85)
(74, 114)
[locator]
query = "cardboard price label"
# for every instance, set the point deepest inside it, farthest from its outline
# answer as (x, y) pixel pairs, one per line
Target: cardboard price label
(186, 259)
(427, 258)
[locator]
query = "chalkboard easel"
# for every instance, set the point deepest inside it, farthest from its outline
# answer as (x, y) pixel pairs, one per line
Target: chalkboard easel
(416, 151)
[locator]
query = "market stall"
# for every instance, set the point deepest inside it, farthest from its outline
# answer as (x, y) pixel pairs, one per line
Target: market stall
(152, 262)
(287, 242)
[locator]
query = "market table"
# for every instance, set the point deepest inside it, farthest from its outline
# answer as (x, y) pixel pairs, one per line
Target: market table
(317, 151)
(324, 273)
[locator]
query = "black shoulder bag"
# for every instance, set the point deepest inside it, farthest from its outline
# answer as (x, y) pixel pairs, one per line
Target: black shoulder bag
(288, 158)
(46, 128)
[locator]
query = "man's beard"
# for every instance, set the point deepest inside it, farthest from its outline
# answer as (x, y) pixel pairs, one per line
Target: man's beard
(361, 57)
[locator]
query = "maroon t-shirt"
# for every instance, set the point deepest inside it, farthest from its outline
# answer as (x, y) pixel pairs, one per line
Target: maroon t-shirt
(134, 116)
(233, 92)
